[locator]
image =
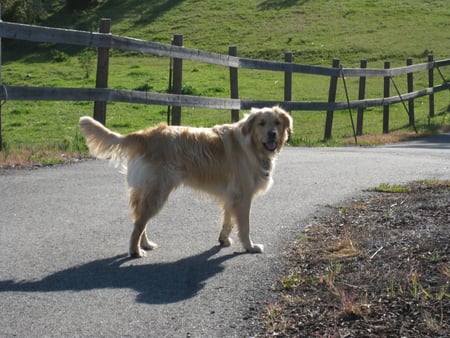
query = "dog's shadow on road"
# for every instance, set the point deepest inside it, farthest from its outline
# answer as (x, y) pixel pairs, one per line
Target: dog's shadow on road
(159, 283)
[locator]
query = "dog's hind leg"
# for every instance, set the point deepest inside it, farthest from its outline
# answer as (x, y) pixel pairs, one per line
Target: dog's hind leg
(242, 213)
(144, 207)
(146, 244)
(227, 226)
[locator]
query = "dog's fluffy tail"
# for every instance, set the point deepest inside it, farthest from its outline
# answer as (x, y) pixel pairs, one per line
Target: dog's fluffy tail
(102, 142)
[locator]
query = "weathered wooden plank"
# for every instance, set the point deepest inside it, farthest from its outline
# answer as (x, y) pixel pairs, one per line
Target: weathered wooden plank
(366, 103)
(288, 57)
(352, 72)
(17, 93)
(442, 63)
(234, 84)
(361, 96)
(160, 49)
(287, 67)
(53, 35)
(410, 85)
(331, 99)
(431, 84)
(177, 80)
(386, 93)
(102, 73)
(73, 37)
(290, 106)
(67, 36)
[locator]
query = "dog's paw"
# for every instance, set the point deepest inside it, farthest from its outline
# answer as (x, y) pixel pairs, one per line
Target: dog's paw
(138, 254)
(225, 241)
(149, 245)
(256, 248)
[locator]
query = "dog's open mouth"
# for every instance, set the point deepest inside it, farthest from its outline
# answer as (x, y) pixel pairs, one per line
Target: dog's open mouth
(270, 146)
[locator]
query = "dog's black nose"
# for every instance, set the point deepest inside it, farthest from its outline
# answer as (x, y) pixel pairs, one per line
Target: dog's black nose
(272, 134)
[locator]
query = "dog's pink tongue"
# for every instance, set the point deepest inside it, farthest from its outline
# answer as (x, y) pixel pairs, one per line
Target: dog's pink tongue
(271, 146)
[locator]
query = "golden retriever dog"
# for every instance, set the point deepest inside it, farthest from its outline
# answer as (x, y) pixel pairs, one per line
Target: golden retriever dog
(233, 162)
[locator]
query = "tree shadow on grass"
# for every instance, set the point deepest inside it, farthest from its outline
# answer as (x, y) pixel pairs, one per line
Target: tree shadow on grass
(159, 283)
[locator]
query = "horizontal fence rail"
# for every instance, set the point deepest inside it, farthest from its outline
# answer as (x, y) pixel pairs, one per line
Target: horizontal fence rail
(101, 40)
(19, 93)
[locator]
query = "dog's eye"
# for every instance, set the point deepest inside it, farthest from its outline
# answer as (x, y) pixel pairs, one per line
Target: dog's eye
(262, 123)
(277, 122)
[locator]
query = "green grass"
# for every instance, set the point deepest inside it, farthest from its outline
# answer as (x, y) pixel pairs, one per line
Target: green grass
(316, 31)
(391, 188)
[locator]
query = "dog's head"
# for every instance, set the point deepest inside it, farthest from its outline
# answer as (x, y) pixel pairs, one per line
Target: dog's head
(269, 128)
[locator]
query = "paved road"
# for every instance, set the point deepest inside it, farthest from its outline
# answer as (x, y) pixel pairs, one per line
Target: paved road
(64, 236)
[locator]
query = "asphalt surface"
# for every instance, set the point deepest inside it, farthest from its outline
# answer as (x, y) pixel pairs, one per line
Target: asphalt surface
(64, 235)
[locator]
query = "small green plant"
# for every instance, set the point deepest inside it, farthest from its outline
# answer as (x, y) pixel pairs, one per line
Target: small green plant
(390, 289)
(332, 271)
(6, 149)
(273, 318)
(59, 56)
(190, 90)
(290, 282)
(395, 188)
(144, 87)
(45, 159)
(415, 286)
(85, 60)
(350, 307)
(75, 144)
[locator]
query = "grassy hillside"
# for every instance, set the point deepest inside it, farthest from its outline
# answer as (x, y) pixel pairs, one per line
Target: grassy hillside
(316, 31)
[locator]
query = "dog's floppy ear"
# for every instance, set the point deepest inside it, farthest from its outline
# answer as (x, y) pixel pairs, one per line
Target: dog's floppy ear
(247, 125)
(287, 122)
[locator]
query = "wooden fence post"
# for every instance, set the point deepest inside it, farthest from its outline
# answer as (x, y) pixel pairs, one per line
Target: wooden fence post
(431, 85)
(386, 93)
(361, 95)
(177, 80)
(234, 84)
(410, 84)
(331, 99)
(102, 72)
(288, 78)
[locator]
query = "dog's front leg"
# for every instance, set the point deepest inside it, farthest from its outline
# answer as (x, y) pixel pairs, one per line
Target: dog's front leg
(242, 211)
(224, 237)
(136, 238)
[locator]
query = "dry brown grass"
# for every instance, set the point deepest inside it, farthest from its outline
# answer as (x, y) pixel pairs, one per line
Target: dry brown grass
(379, 266)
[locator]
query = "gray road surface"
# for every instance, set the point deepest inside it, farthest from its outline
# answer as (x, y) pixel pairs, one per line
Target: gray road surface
(64, 237)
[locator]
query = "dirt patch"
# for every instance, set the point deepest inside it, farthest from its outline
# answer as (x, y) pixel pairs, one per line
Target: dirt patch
(27, 159)
(377, 267)
(394, 137)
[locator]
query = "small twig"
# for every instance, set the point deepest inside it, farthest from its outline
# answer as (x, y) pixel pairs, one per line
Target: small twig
(376, 252)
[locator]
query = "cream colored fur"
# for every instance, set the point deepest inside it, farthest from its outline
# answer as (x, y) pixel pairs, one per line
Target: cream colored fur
(233, 162)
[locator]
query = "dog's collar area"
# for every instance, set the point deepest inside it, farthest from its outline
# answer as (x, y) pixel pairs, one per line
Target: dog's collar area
(266, 165)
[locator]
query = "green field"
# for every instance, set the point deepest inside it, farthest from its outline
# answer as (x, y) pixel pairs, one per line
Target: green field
(315, 31)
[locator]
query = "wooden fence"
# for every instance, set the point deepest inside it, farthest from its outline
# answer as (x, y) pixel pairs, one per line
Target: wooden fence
(104, 40)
